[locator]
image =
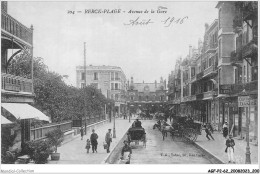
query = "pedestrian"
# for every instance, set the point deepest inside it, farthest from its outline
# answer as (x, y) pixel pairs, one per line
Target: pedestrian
(81, 132)
(230, 143)
(108, 139)
(126, 148)
(144, 139)
(208, 133)
(225, 130)
(93, 140)
(210, 127)
(88, 145)
(128, 138)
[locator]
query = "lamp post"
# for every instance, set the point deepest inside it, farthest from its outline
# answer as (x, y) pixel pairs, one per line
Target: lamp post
(114, 128)
(241, 98)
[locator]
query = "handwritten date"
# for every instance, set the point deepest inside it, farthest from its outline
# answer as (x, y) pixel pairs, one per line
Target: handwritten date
(170, 20)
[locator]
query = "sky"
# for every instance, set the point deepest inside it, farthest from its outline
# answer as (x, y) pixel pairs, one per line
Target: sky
(146, 52)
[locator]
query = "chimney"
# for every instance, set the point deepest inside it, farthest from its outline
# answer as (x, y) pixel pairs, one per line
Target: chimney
(132, 80)
(155, 84)
(190, 51)
(164, 84)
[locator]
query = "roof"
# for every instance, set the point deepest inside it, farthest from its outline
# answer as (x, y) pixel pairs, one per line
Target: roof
(140, 87)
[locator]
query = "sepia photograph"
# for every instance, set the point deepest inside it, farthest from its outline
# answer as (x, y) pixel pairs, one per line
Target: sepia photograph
(163, 86)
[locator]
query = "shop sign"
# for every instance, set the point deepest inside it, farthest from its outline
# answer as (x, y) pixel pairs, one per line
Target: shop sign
(224, 89)
(245, 101)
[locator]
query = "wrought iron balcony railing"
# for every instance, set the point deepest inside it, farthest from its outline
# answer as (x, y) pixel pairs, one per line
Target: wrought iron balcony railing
(16, 83)
(12, 26)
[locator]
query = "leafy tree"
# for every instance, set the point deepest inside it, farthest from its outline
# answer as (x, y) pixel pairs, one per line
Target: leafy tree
(53, 95)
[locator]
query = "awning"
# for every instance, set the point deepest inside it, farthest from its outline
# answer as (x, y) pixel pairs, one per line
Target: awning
(24, 111)
(5, 120)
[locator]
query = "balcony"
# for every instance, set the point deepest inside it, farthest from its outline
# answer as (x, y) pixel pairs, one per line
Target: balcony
(212, 48)
(9, 25)
(16, 83)
(236, 56)
(200, 75)
(209, 95)
(199, 96)
(209, 70)
(250, 50)
(193, 78)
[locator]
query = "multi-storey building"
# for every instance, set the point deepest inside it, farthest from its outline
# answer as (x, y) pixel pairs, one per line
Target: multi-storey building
(111, 80)
(238, 74)
(174, 88)
(147, 97)
(16, 91)
(224, 68)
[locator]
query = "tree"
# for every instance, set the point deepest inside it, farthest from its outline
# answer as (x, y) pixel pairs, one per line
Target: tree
(52, 95)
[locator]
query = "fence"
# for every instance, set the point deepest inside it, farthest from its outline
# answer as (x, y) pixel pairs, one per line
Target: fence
(39, 133)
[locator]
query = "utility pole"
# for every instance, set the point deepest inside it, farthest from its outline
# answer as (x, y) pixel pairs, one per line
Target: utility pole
(84, 88)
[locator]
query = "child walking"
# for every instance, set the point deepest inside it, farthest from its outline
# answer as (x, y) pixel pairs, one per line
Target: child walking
(88, 145)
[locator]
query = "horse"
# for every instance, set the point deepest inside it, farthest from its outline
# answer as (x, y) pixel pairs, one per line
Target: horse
(165, 129)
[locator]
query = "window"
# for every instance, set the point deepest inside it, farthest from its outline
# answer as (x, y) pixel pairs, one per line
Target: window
(146, 98)
(236, 75)
(140, 97)
(116, 86)
(192, 71)
(82, 85)
(161, 97)
(95, 76)
(112, 86)
(116, 76)
(132, 98)
(210, 61)
(83, 77)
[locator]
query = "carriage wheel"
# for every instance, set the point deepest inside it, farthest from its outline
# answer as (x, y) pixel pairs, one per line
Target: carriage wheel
(189, 135)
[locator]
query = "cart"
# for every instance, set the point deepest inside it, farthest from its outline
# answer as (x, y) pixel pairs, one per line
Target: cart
(186, 130)
(136, 134)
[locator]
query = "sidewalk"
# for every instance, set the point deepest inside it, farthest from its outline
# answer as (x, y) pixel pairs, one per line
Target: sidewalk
(217, 148)
(74, 152)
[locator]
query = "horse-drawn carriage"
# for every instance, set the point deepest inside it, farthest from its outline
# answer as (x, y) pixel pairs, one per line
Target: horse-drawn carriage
(182, 128)
(136, 134)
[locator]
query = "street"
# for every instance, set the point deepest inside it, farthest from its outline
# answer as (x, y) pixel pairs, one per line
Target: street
(168, 151)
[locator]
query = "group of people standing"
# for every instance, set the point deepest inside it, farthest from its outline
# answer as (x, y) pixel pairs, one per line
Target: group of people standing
(93, 141)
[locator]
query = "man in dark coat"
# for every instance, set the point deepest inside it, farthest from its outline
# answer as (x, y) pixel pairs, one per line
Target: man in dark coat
(93, 139)
(208, 133)
(81, 132)
(108, 139)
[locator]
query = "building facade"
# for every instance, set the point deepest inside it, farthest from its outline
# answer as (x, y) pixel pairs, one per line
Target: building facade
(111, 80)
(16, 91)
(223, 68)
(147, 97)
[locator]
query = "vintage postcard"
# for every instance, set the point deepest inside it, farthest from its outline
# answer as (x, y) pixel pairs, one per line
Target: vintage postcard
(163, 86)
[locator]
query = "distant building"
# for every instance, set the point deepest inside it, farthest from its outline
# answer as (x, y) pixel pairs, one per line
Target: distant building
(149, 97)
(111, 80)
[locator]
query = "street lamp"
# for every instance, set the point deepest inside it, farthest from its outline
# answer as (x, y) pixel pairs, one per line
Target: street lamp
(248, 158)
(114, 128)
